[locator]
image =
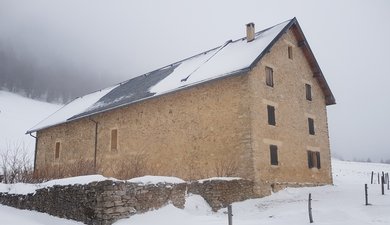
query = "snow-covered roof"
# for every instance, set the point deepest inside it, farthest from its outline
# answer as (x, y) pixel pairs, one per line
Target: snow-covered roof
(233, 57)
(75, 107)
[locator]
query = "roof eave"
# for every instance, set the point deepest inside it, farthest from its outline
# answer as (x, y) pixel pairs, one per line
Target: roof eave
(234, 73)
(317, 72)
(329, 98)
(42, 128)
(272, 43)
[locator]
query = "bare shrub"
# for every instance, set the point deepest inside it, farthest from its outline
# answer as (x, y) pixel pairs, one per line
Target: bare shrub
(226, 167)
(134, 166)
(15, 163)
(77, 168)
(192, 169)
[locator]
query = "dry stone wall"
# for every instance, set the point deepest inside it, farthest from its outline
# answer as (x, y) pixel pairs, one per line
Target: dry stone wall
(220, 193)
(101, 203)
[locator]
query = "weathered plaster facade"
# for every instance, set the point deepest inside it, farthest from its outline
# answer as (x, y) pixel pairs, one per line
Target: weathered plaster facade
(218, 128)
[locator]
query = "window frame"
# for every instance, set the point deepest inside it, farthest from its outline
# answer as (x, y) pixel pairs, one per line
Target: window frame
(273, 151)
(271, 115)
(269, 76)
(57, 150)
(114, 140)
(290, 52)
(308, 91)
(310, 123)
(313, 159)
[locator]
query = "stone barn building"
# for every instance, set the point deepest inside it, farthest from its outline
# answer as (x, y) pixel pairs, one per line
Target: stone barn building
(253, 108)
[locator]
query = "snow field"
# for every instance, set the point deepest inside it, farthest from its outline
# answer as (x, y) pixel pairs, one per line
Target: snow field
(17, 114)
(341, 203)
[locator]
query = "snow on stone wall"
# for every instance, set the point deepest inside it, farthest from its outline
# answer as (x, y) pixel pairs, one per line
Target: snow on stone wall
(105, 202)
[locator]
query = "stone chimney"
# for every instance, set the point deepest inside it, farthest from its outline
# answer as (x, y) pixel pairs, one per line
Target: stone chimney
(250, 32)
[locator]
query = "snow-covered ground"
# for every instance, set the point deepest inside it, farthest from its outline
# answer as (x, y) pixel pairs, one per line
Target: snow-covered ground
(342, 203)
(23, 188)
(17, 115)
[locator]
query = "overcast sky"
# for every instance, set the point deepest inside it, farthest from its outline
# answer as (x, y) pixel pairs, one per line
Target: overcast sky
(350, 39)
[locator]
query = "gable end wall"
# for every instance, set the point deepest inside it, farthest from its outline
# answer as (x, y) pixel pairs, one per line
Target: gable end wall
(290, 134)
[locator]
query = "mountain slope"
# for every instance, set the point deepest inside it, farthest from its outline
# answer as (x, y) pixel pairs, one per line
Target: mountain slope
(17, 115)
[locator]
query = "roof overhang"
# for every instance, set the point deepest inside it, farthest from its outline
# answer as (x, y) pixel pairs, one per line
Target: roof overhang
(317, 72)
(302, 43)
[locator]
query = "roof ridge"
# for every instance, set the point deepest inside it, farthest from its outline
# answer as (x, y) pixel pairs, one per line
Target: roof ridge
(262, 31)
(201, 53)
(185, 59)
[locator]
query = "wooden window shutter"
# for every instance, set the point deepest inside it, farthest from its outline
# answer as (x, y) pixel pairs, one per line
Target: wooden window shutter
(311, 126)
(57, 150)
(274, 154)
(310, 159)
(318, 160)
(271, 115)
(290, 52)
(308, 92)
(114, 139)
(269, 76)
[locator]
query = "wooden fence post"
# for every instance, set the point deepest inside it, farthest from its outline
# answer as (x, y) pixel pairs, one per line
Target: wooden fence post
(230, 215)
(366, 193)
(383, 184)
(387, 175)
(372, 177)
(309, 208)
(383, 175)
(379, 181)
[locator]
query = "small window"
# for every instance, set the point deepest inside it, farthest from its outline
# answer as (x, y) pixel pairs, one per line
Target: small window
(290, 52)
(57, 150)
(314, 159)
(114, 139)
(308, 91)
(311, 126)
(273, 149)
(269, 76)
(271, 115)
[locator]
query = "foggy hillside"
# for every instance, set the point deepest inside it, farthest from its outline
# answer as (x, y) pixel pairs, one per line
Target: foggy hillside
(57, 82)
(57, 50)
(17, 115)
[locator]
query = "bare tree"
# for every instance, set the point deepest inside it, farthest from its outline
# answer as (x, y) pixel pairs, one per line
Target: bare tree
(15, 163)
